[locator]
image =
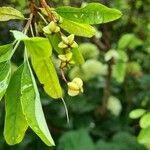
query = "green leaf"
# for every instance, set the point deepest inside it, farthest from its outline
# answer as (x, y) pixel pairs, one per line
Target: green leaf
(119, 71)
(19, 35)
(145, 121)
(93, 13)
(144, 137)
(32, 107)
(49, 78)
(77, 56)
(55, 39)
(76, 140)
(42, 63)
(5, 52)
(15, 122)
(38, 47)
(129, 40)
(137, 113)
(5, 73)
(78, 29)
(9, 13)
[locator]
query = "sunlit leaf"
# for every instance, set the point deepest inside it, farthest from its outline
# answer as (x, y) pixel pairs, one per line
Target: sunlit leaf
(129, 40)
(93, 13)
(78, 29)
(49, 77)
(5, 73)
(77, 56)
(9, 13)
(18, 35)
(119, 68)
(15, 122)
(5, 52)
(145, 121)
(32, 107)
(55, 39)
(134, 114)
(119, 71)
(38, 47)
(40, 52)
(144, 137)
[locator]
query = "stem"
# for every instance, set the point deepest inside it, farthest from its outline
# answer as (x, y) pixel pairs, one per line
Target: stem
(66, 110)
(63, 75)
(99, 44)
(42, 17)
(31, 29)
(36, 29)
(104, 46)
(14, 49)
(27, 26)
(25, 30)
(46, 7)
(107, 89)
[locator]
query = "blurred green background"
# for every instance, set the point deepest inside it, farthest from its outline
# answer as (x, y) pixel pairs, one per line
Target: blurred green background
(94, 123)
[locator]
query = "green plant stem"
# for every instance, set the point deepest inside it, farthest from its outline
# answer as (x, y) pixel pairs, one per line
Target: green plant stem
(66, 110)
(31, 29)
(42, 17)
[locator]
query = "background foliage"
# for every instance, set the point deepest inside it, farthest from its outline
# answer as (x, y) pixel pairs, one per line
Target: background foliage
(95, 125)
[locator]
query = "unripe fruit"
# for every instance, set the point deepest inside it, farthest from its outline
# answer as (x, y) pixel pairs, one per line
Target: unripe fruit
(75, 87)
(66, 60)
(51, 28)
(68, 42)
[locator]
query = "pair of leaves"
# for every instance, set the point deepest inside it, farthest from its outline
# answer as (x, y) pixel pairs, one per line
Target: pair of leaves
(78, 20)
(130, 41)
(40, 51)
(144, 135)
(9, 13)
(23, 108)
(5, 69)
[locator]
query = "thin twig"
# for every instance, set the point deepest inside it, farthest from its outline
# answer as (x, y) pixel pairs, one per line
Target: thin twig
(27, 26)
(42, 17)
(63, 75)
(46, 7)
(31, 29)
